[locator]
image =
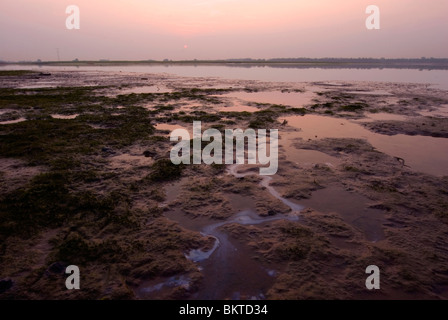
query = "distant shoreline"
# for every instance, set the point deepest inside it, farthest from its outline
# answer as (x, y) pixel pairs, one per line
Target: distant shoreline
(335, 63)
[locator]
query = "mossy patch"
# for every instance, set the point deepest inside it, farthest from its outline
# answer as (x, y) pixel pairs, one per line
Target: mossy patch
(165, 170)
(16, 73)
(353, 107)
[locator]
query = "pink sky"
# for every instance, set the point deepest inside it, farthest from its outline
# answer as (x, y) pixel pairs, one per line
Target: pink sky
(215, 29)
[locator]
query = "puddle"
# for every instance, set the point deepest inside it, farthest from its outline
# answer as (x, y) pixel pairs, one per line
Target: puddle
(352, 207)
(383, 116)
(38, 85)
(294, 99)
(62, 116)
(231, 273)
(303, 157)
(308, 158)
(239, 108)
(13, 121)
(371, 93)
(330, 84)
(145, 89)
(413, 149)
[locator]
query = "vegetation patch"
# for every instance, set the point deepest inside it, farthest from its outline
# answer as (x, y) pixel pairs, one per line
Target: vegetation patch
(165, 170)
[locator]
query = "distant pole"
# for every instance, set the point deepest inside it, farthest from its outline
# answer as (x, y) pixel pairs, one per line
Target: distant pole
(57, 51)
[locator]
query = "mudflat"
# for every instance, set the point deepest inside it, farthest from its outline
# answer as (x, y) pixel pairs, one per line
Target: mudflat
(86, 179)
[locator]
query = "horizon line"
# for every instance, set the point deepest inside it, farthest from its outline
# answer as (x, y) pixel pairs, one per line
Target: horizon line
(232, 60)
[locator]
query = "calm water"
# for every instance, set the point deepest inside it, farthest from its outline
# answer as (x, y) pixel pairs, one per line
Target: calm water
(421, 153)
(438, 78)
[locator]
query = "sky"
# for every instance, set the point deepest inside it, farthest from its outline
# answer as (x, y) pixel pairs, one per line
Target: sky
(221, 29)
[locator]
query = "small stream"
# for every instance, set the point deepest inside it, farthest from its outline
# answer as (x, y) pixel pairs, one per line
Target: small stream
(228, 268)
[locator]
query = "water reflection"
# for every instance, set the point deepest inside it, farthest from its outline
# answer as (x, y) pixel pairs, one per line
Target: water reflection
(439, 78)
(421, 153)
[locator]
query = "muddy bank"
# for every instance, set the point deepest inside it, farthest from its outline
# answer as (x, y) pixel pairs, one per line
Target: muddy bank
(425, 126)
